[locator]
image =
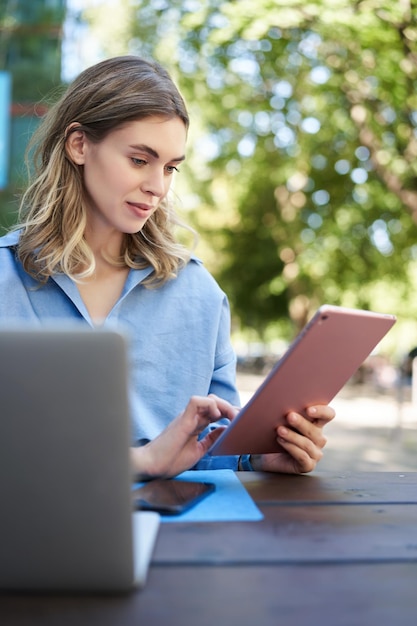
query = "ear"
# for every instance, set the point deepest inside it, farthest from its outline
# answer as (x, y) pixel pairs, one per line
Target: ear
(75, 143)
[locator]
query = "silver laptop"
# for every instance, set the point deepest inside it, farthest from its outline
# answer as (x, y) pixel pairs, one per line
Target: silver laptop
(66, 520)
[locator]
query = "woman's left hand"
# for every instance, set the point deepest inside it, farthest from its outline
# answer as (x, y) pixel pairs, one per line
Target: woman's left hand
(302, 441)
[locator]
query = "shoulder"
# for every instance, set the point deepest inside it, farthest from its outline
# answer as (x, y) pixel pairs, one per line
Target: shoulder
(195, 275)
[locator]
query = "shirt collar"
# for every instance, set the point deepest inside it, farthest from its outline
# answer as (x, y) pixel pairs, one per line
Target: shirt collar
(10, 240)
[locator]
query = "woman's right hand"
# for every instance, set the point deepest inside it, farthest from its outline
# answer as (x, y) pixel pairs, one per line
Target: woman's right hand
(178, 447)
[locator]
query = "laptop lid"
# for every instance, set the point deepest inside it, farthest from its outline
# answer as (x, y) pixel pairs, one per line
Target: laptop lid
(318, 363)
(65, 476)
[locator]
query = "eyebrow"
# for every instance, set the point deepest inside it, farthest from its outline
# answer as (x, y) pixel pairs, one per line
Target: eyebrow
(144, 148)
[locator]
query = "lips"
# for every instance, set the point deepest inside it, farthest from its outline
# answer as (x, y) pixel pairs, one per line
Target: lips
(141, 206)
(140, 209)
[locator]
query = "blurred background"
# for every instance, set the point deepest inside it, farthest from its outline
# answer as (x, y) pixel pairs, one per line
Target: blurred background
(301, 172)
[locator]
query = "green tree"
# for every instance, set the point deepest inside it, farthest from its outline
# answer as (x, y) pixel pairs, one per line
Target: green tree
(318, 101)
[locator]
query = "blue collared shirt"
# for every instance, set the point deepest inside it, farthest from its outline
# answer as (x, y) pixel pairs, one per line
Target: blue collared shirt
(178, 336)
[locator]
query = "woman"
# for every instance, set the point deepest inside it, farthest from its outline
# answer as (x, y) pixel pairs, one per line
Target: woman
(95, 244)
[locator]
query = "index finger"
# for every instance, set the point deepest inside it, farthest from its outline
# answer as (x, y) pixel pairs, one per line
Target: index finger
(226, 409)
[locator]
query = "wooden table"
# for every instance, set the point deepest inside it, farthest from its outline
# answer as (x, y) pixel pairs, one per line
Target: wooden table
(333, 550)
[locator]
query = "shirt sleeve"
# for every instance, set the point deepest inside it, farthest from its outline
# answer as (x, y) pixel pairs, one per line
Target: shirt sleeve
(224, 462)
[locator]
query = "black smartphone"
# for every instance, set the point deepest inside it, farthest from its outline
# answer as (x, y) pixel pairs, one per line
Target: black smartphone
(170, 496)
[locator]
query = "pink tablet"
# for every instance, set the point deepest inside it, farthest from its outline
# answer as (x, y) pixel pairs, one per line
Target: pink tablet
(323, 357)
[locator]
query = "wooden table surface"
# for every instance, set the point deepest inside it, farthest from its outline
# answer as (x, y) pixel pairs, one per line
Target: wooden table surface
(333, 549)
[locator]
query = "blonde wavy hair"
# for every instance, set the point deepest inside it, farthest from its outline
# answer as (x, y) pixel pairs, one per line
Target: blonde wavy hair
(52, 213)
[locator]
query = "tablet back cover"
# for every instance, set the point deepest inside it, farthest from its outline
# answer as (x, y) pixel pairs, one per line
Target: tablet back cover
(319, 362)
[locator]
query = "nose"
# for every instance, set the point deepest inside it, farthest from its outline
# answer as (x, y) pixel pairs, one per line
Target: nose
(154, 182)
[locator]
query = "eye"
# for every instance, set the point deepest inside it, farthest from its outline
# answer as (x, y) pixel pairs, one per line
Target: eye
(138, 162)
(171, 169)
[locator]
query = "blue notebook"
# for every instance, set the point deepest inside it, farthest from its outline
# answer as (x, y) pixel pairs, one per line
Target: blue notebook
(230, 502)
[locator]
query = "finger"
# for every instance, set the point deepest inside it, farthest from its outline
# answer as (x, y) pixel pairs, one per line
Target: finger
(305, 456)
(198, 413)
(206, 442)
(307, 429)
(226, 409)
(320, 414)
(300, 441)
(203, 410)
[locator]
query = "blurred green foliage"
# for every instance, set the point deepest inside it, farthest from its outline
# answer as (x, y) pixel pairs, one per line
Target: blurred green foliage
(30, 49)
(31, 32)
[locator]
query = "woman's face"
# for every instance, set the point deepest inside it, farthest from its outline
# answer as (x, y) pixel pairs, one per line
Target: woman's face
(130, 171)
